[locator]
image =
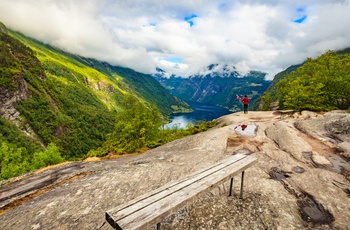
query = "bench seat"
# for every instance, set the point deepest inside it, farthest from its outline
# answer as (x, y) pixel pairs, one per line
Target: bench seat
(149, 209)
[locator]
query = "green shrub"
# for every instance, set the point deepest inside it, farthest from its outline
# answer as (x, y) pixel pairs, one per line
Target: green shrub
(320, 85)
(50, 156)
(11, 161)
(14, 161)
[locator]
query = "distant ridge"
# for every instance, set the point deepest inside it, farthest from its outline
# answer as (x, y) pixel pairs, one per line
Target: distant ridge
(217, 85)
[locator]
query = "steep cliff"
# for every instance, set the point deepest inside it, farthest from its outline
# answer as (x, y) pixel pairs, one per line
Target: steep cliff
(55, 97)
(18, 63)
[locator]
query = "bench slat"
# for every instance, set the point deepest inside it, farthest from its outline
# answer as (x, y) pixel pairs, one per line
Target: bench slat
(146, 199)
(155, 212)
(151, 208)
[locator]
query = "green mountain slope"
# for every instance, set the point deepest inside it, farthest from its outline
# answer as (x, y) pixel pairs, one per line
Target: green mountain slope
(319, 68)
(55, 97)
(142, 85)
(271, 93)
(217, 88)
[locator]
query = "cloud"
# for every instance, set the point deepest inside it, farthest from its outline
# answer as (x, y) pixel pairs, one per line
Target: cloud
(267, 35)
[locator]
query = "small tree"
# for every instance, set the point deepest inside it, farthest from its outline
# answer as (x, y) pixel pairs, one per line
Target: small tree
(266, 100)
(137, 126)
(11, 161)
(50, 156)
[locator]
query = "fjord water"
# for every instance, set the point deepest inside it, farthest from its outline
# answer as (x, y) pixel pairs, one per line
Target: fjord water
(201, 112)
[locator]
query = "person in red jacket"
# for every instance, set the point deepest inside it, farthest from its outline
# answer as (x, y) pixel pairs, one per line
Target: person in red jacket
(245, 101)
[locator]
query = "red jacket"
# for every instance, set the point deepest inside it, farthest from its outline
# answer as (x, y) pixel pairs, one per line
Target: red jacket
(246, 100)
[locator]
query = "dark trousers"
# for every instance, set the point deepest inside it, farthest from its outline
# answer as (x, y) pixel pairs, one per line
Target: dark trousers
(245, 108)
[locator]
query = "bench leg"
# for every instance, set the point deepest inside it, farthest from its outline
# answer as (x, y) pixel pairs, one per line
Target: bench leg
(158, 226)
(242, 180)
(231, 183)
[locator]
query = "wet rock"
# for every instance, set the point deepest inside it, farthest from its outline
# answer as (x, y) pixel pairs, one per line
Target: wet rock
(298, 169)
(277, 174)
(312, 211)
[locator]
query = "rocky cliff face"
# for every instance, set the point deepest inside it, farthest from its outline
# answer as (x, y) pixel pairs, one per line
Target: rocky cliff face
(9, 100)
(16, 61)
(56, 97)
(301, 180)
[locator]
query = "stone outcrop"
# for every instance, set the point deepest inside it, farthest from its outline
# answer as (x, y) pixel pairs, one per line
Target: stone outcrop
(10, 98)
(301, 180)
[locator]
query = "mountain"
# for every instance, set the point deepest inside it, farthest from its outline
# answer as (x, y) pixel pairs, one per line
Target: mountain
(272, 93)
(217, 85)
(142, 85)
(50, 96)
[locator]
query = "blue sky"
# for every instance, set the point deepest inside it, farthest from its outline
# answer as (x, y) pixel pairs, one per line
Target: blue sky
(183, 37)
(174, 59)
(301, 15)
(301, 19)
(189, 19)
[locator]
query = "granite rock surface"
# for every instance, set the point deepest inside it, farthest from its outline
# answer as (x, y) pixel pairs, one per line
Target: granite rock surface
(301, 179)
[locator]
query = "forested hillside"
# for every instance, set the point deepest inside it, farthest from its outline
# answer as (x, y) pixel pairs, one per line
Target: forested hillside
(319, 84)
(142, 85)
(218, 87)
(55, 102)
(271, 93)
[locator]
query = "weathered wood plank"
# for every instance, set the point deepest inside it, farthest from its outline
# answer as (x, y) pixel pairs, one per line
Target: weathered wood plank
(155, 212)
(151, 208)
(169, 188)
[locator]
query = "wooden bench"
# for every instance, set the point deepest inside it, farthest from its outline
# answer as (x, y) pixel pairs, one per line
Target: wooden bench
(149, 209)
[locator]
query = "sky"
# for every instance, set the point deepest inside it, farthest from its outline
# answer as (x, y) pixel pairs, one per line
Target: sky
(183, 37)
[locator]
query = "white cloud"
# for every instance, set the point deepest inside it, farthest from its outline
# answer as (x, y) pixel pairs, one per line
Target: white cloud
(141, 34)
